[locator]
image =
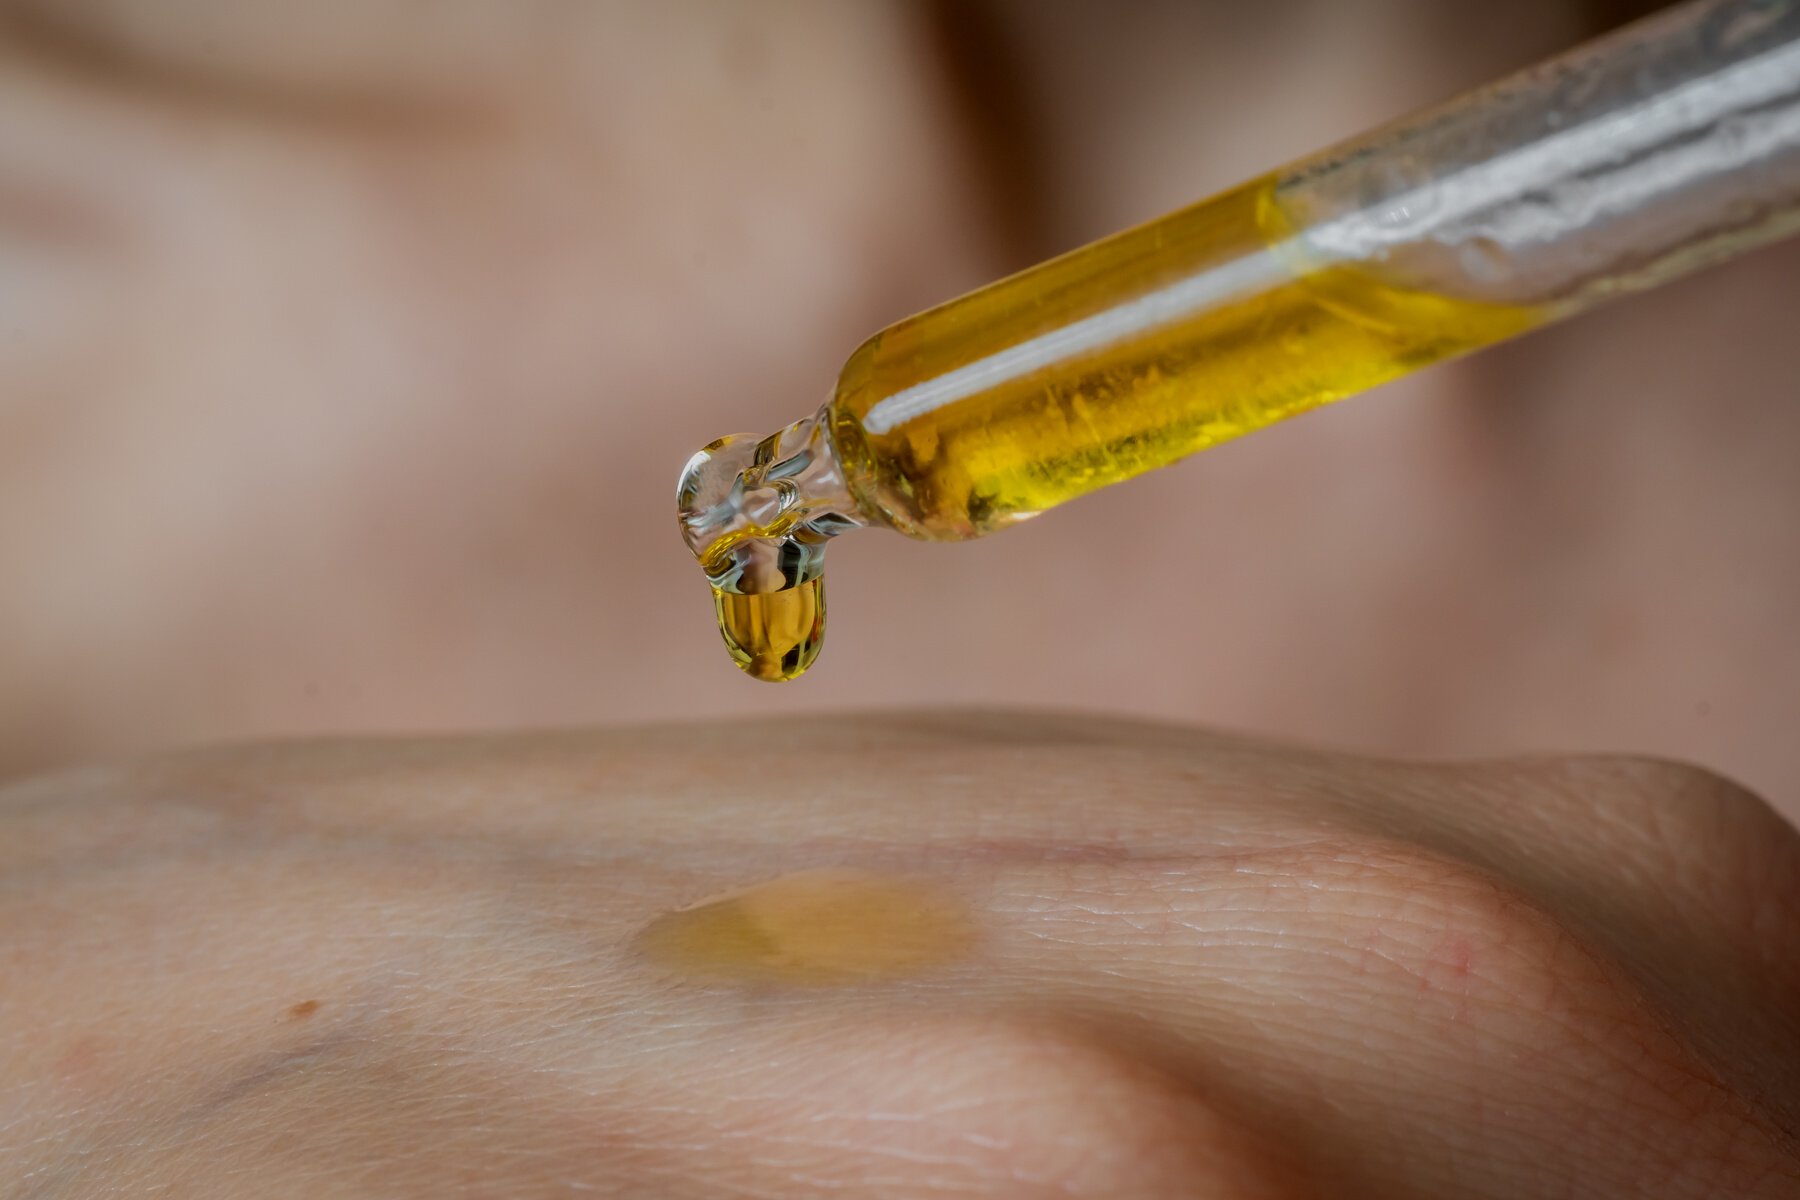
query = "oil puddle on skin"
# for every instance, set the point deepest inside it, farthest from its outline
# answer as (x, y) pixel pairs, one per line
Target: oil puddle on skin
(814, 928)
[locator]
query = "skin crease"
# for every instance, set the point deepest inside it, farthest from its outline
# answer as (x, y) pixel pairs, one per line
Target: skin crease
(1200, 968)
(344, 372)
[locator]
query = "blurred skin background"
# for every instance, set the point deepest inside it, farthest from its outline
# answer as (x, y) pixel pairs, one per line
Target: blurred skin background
(349, 351)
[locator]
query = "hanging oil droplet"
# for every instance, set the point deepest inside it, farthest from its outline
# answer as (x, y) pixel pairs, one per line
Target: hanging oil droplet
(773, 636)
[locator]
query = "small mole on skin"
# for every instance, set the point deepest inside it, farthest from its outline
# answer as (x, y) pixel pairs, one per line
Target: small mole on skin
(303, 1010)
(813, 928)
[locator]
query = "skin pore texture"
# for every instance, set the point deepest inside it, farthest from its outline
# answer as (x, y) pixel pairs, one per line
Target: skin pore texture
(346, 365)
(1184, 966)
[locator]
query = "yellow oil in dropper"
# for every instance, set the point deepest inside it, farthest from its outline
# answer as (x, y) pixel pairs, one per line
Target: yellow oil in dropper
(1065, 388)
(994, 407)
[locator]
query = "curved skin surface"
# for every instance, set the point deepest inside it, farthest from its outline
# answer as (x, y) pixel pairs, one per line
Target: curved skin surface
(1195, 967)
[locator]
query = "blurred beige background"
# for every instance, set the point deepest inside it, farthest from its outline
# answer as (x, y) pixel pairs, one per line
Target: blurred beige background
(349, 350)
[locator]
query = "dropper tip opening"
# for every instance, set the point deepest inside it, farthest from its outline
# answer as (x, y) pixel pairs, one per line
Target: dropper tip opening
(757, 514)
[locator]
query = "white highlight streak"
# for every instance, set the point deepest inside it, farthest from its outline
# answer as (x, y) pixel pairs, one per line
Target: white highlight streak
(1227, 281)
(1496, 182)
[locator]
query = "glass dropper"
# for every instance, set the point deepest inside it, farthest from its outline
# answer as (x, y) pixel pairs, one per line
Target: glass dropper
(1665, 146)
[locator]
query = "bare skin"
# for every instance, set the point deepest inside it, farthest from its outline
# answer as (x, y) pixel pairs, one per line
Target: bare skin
(1200, 968)
(345, 367)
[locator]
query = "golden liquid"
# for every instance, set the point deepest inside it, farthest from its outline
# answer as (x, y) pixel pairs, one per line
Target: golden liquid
(774, 636)
(1250, 335)
(813, 928)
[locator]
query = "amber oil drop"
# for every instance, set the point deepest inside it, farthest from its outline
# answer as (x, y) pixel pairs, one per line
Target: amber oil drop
(773, 636)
